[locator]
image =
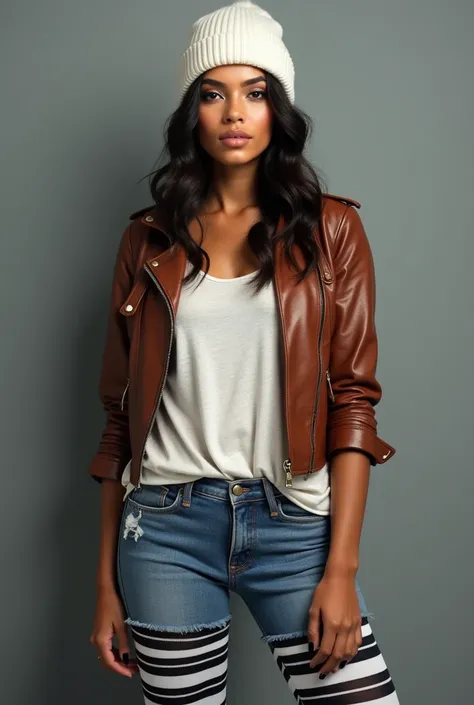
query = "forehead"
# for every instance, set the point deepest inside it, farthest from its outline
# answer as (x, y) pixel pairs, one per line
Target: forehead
(234, 74)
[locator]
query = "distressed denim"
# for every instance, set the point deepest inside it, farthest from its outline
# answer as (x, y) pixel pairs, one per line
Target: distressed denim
(183, 548)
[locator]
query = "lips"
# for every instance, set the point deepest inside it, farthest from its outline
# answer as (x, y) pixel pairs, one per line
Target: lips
(235, 134)
(235, 139)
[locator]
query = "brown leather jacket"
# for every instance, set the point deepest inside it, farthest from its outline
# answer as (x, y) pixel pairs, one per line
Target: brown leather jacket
(328, 334)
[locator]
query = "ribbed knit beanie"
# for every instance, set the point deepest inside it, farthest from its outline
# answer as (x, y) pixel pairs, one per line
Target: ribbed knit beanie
(241, 33)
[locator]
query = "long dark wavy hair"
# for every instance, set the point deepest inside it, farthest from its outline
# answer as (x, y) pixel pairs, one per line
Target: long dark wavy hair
(287, 185)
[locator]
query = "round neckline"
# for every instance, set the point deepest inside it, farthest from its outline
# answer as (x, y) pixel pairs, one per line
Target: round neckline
(232, 279)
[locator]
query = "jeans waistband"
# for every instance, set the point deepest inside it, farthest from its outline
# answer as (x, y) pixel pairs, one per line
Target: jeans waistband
(234, 491)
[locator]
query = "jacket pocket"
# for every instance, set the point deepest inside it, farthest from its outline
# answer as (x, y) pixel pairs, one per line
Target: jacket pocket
(124, 393)
(331, 393)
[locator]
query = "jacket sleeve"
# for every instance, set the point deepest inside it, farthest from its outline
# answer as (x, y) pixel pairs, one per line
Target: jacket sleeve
(114, 450)
(352, 423)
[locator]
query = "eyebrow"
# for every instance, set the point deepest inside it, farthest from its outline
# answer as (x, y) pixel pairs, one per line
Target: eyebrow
(221, 84)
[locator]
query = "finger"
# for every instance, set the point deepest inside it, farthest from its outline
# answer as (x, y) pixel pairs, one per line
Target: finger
(122, 638)
(125, 659)
(325, 650)
(337, 653)
(351, 649)
(314, 629)
(109, 660)
(358, 636)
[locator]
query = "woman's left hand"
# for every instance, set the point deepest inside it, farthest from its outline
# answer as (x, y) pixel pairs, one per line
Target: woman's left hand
(335, 611)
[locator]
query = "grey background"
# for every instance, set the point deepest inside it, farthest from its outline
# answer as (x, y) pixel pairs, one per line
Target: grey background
(85, 88)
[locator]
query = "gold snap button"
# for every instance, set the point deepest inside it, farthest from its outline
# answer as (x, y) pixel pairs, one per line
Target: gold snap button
(155, 263)
(327, 275)
(149, 219)
(129, 307)
(237, 489)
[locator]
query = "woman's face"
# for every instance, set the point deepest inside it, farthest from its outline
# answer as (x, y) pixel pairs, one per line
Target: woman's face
(233, 97)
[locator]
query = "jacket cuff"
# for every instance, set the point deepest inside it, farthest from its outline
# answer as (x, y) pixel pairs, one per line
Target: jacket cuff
(106, 468)
(359, 438)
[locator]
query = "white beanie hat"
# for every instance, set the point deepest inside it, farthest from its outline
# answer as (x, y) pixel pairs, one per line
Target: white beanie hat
(241, 33)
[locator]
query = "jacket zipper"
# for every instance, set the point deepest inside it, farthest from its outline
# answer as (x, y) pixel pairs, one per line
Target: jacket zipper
(123, 395)
(288, 475)
(331, 393)
(157, 401)
(318, 388)
(287, 462)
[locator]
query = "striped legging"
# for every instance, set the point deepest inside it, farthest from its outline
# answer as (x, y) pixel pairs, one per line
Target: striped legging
(191, 669)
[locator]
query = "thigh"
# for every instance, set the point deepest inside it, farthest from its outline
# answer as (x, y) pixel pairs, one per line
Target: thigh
(172, 561)
(365, 678)
(288, 561)
(183, 668)
(290, 551)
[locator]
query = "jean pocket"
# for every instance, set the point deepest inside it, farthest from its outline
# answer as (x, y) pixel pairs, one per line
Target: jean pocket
(160, 499)
(291, 512)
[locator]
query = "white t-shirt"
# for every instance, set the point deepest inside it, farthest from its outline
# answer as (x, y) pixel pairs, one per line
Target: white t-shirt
(222, 412)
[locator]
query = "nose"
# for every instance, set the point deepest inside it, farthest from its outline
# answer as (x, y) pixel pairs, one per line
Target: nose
(234, 110)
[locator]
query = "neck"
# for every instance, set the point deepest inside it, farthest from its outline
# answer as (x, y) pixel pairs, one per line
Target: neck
(233, 188)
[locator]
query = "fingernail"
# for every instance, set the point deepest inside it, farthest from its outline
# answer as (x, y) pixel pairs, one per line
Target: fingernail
(342, 664)
(322, 676)
(125, 658)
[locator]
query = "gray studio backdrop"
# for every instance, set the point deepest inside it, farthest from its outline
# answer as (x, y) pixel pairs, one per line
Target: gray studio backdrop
(85, 88)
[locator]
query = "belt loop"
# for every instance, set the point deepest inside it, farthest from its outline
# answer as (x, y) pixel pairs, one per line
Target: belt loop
(187, 492)
(267, 486)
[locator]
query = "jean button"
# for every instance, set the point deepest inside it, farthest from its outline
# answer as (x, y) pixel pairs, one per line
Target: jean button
(237, 489)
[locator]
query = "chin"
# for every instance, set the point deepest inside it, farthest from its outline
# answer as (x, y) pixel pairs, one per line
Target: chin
(233, 158)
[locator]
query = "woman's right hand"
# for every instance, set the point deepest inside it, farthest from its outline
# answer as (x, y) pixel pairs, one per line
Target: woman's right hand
(109, 620)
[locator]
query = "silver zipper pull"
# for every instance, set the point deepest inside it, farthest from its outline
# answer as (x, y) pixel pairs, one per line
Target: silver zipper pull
(123, 395)
(287, 469)
(331, 393)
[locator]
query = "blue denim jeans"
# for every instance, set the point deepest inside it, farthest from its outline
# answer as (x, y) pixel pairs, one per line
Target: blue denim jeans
(183, 548)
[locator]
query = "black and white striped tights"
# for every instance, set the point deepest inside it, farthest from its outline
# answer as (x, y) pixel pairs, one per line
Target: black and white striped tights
(191, 669)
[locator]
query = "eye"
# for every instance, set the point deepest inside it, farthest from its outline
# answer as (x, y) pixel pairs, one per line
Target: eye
(208, 93)
(259, 92)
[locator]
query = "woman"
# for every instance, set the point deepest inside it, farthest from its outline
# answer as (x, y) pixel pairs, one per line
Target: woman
(239, 383)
